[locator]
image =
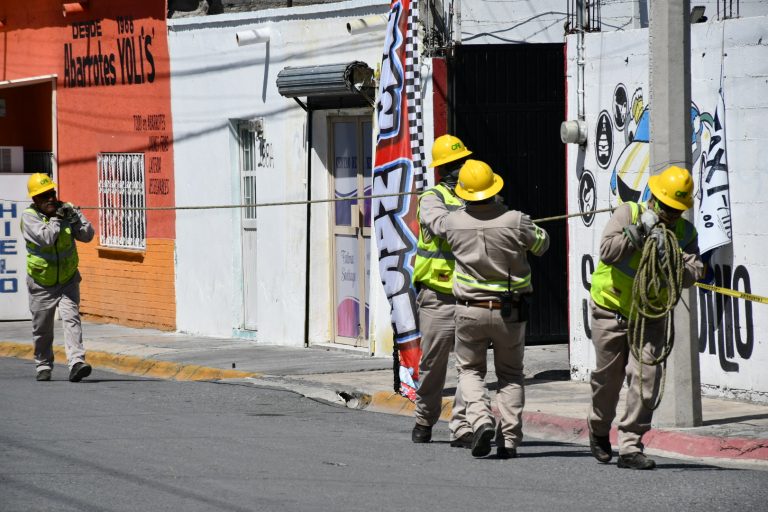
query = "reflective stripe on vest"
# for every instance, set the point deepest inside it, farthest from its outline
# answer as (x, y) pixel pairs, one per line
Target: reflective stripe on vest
(435, 263)
(540, 237)
(514, 283)
(56, 264)
(612, 284)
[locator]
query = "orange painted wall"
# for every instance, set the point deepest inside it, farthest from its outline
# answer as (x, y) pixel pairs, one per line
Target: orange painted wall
(109, 276)
(112, 95)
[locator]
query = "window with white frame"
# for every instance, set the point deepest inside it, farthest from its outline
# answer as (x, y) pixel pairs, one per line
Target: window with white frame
(122, 218)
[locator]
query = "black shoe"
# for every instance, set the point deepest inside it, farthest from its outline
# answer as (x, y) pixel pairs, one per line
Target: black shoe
(43, 375)
(421, 434)
(636, 460)
(79, 372)
(600, 446)
(464, 441)
(502, 452)
(481, 440)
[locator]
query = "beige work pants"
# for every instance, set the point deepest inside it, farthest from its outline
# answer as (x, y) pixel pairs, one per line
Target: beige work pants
(614, 363)
(438, 337)
(42, 303)
(476, 328)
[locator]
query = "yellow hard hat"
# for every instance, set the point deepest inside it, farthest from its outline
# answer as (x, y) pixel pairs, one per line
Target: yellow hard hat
(39, 183)
(446, 149)
(477, 181)
(673, 187)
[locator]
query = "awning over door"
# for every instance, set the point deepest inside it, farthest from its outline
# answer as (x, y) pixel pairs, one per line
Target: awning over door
(345, 85)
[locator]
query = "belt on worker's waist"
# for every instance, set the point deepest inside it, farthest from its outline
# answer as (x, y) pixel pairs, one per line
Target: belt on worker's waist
(487, 304)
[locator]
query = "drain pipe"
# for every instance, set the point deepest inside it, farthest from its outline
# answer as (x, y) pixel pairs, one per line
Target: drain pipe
(309, 221)
(580, 61)
(575, 131)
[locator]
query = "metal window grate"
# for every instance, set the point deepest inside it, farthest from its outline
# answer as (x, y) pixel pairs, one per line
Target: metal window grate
(248, 167)
(121, 190)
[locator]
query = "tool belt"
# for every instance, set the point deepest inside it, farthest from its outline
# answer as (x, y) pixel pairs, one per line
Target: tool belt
(486, 304)
(506, 303)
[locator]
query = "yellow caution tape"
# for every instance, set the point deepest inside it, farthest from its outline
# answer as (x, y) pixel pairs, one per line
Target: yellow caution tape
(734, 293)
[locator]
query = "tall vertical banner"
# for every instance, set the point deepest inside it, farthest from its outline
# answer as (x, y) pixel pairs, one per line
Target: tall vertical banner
(399, 170)
(713, 221)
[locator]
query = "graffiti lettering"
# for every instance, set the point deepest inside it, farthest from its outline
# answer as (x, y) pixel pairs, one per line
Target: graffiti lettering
(134, 53)
(8, 247)
(86, 29)
(389, 105)
(346, 162)
(587, 268)
(9, 285)
(720, 320)
(396, 244)
(159, 143)
(124, 25)
(149, 123)
(159, 186)
(155, 165)
(266, 158)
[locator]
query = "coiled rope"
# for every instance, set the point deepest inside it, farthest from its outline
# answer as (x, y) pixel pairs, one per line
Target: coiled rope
(655, 293)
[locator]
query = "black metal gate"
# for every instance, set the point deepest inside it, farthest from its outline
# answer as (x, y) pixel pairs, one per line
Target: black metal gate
(506, 104)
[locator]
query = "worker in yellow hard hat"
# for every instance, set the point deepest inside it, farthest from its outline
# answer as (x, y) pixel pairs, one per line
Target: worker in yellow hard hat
(50, 228)
(492, 283)
(611, 293)
(433, 279)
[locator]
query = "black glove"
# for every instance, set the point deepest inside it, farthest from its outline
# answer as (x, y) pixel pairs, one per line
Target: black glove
(67, 212)
(636, 235)
(659, 236)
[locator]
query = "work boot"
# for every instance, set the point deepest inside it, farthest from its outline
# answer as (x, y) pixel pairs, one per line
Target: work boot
(43, 375)
(79, 372)
(464, 441)
(636, 460)
(502, 452)
(421, 434)
(481, 440)
(600, 446)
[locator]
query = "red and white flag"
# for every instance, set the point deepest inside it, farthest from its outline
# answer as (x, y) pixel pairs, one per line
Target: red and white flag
(399, 168)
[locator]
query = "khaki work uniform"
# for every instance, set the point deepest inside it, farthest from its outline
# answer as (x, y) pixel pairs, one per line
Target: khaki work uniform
(44, 299)
(490, 245)
(614, 360)
(438, 335)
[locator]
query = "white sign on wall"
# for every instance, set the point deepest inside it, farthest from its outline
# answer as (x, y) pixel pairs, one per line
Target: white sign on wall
(13, 286)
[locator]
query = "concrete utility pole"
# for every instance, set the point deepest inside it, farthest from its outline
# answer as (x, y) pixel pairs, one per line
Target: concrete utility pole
(670, 105)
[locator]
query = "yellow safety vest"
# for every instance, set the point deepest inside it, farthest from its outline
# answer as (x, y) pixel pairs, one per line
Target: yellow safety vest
(612, 284)
(56, 264)
(434, 265)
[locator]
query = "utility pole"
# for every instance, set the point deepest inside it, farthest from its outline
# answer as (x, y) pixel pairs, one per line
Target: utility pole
(670, 105)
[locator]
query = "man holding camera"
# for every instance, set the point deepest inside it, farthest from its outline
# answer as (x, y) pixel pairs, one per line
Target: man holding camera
(50, 229)
(491, 284)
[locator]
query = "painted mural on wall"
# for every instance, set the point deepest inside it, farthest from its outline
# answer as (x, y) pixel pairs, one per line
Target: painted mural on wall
(614, 167)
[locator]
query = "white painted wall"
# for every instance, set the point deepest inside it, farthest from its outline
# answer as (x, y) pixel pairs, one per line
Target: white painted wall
(734, 368)
(213, 82)
(542, 21)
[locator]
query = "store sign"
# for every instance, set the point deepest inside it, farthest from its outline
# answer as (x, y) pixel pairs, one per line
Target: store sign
(13, 287)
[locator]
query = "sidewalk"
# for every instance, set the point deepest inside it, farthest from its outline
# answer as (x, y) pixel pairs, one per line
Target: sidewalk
(555, 407)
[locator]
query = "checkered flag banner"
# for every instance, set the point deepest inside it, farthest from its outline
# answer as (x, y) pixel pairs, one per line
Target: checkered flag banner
(413, 97)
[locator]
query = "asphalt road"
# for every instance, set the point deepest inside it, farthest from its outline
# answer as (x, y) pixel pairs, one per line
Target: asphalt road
(118, 443)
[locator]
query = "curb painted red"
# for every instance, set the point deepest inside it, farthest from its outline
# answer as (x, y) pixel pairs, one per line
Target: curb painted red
(680, 443)
(574, 430)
